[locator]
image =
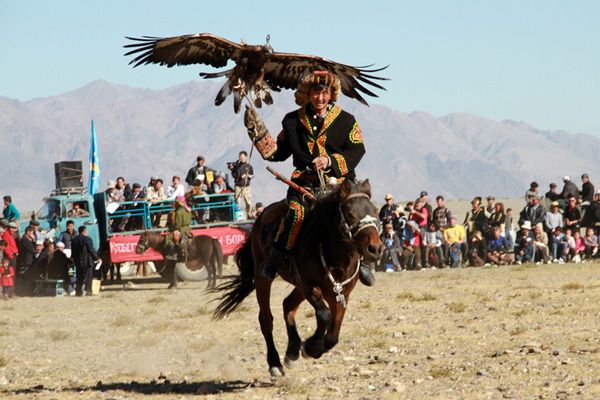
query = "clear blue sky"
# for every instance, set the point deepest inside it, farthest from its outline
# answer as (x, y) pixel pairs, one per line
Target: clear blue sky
(537, 61)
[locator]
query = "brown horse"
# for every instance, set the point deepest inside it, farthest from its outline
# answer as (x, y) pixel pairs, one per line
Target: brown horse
(340, 231)
(202, 251)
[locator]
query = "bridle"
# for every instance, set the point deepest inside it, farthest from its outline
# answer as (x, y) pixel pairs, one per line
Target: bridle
(367, 221)
(351, 231)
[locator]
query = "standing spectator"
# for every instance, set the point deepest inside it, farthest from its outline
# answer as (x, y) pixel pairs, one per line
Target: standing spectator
(41, 263)
(491, 206)
(242, 172)
(533, 188)
(510, 230)
(454, 237)
(587, 190)
(7, 275)
(497, 249)
(386, 212)
(441, 214)
(423, 196)
(559, 245)
(592, 215)
(551, 196)
(540, 241)
(69, 280)
(10, 211)
(67, 236)
(84, 256)
(533, 212)
(496, 219)
(420, 215)
(393, 247)
(135, 222)
(411, 246)
(9, 236)
(175, 189)
(572, 216)
(591, 243)
(122, 189)
(202, 173)
(433, 244)
(25, 261)
(475, 218)
(569, 190)
(524, 248)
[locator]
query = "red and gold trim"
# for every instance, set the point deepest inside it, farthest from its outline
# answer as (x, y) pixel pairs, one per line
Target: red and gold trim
(298, 210)
(341, 162)
(333, 113)
(356, 134)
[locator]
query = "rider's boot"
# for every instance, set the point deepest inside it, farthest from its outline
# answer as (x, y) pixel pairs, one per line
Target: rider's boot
(365, 274)
(275, 259)
(171, 251)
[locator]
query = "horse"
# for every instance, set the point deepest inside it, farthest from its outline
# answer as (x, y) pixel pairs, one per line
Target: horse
(202, 251)
(341, 230)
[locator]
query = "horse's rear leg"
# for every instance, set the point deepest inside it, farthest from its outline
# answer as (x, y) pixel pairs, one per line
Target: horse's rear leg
(265, 317)
(315, 345)
(290, 307)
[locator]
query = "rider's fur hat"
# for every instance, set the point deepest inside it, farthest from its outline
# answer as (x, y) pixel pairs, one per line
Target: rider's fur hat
(317, 79)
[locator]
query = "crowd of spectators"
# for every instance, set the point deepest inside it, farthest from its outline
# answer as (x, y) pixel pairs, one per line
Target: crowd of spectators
(555, 227)
(201, 180)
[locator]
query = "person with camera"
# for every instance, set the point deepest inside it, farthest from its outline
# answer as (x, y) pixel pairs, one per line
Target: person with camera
(242, 172)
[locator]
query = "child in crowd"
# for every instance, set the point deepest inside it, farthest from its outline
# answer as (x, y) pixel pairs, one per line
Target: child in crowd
(570, 251)
(7, 275)
(579, 246)
(591, 243)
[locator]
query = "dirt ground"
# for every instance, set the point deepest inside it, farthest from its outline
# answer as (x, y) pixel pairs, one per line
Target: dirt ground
(521, 332)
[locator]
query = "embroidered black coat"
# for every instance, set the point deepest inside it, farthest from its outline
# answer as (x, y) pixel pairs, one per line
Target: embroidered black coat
(304, 137)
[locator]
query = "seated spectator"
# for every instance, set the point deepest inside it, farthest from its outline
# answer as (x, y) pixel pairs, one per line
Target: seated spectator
(591, 244)
(497, 249)
(433, 241)
(540, 242)
(510, 230)
(572, 215)
(122, 189)
(10, 212)
(551, 196)
(554, 218)
(78, 211)
(524, 248)
(454, 238)
(497, 219)
(136, 222)
(386, 212)
(175, 189)
(411, 246)
(559, 245)
(220, 185)
(155, 194)
(201, 173)
(579, 246)
(569, 190)
(477, 250)
(571, 250)
(44, 257)
(391, 254)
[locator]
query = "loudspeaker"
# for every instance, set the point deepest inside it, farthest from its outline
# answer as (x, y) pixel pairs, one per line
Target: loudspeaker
(68, 174)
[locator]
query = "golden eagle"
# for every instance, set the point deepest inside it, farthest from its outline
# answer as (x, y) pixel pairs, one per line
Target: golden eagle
(257, 68)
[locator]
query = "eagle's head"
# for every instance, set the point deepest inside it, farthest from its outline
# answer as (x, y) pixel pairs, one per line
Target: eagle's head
(267, 48)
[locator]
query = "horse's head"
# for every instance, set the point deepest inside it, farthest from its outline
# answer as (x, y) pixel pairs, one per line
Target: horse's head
(359, 219)
(142, 244)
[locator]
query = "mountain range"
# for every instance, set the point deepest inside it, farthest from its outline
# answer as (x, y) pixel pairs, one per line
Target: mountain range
(143, 133)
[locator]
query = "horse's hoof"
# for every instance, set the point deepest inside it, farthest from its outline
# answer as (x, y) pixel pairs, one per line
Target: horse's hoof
(290, 362)
(276, 372)
(303, 352)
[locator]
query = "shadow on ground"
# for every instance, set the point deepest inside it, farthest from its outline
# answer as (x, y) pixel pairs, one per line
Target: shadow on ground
(149, 388)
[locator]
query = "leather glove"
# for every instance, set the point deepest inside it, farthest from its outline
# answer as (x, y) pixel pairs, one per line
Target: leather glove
(256, 127)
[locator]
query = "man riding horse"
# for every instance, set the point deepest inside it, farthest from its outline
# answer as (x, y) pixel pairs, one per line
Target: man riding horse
(179, 223)
(326, 145)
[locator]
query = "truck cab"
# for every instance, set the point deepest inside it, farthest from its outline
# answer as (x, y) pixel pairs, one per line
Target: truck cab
(63, 206)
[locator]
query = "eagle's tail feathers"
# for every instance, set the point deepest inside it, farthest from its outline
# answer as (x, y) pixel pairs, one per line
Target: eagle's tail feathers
(223, 93)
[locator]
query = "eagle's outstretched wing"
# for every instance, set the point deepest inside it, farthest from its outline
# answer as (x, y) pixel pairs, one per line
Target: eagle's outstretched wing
(201, 48)
(286, 70)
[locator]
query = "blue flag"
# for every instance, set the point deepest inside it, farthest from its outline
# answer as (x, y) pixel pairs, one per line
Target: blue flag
(94, 183)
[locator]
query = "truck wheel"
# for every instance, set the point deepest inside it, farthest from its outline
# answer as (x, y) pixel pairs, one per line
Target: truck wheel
(186, 274)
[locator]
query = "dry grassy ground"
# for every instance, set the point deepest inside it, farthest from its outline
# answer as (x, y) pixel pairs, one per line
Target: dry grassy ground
(523, 332)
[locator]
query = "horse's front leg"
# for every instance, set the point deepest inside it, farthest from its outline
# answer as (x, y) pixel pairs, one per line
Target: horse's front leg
(315, 345)
(337, 316)
(290, 308)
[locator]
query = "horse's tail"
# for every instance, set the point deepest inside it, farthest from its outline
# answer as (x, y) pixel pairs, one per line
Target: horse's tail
(238, 287)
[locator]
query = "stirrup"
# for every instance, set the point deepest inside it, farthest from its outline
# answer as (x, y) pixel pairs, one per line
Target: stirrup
(366, 275)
